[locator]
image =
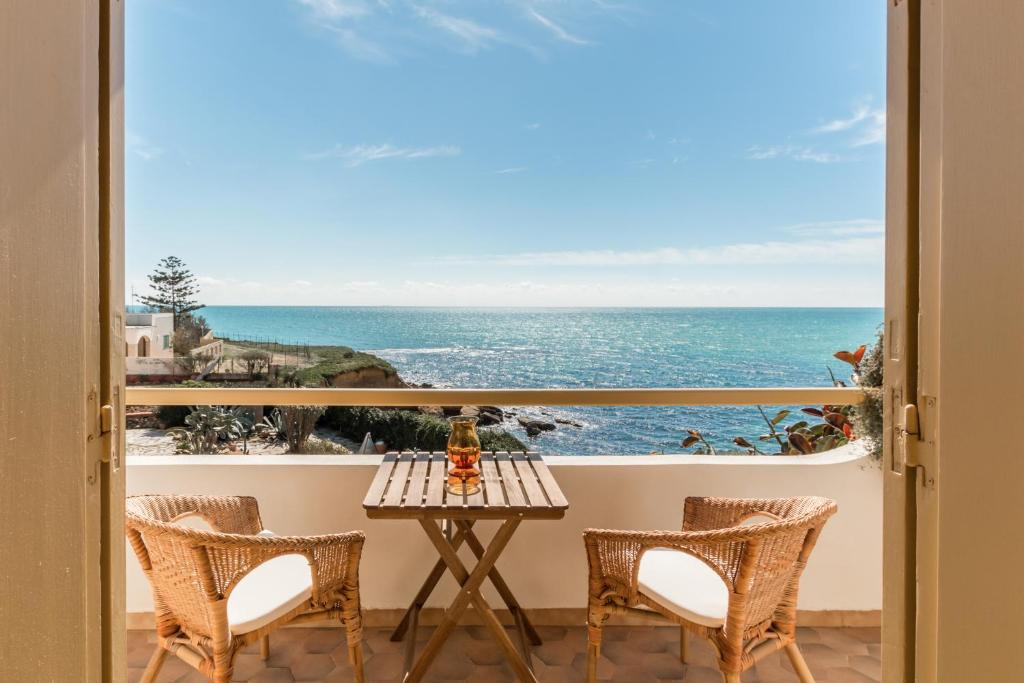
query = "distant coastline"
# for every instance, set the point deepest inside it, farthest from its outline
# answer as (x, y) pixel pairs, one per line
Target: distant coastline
(609, 347)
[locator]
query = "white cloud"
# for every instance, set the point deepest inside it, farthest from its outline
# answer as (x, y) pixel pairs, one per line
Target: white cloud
(361, 154)
(557, 30)
(473, 36)
(341, 17)
(360, 47)
(859, 226)
(874, 132)
(794, 152)
(532, 126)
(866, 121)
(859, 250)
(140, 147)
(800, 287)
(336, 9)
(510, 170)
(381, 31)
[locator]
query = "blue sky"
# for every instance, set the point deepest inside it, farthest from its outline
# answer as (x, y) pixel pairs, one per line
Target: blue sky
(509, 152)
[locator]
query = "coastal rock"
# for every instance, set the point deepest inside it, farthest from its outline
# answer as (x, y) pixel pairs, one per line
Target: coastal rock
(567, 421)
(432, 410)
(534, 426)
(486, 415)
(490, 415)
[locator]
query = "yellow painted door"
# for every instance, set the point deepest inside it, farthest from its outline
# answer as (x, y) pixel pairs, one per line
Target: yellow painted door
(901, 340)
(954, 477)
(61, 547)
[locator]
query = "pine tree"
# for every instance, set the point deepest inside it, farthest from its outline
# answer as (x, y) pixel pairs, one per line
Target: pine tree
(174, 289)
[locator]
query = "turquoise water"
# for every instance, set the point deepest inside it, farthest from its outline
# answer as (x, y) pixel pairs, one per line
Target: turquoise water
(487, 347)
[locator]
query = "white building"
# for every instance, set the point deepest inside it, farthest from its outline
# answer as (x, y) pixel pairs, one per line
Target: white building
(149, 347)
(149, 335)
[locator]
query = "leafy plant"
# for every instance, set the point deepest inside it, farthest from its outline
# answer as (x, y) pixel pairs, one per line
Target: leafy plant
(823, 428)
(868, 415)
(694, 438)
(207, 427)
(272, 426)
(297, 423)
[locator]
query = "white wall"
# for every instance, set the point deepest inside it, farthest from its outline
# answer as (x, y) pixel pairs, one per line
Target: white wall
(545, 563)
(154, 326)
(135, 365)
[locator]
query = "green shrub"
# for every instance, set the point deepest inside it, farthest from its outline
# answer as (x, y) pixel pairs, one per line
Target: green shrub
(207, 427)
(408, 430)
(433, 433)
(500, 440)
(298, 423)
(867, 417)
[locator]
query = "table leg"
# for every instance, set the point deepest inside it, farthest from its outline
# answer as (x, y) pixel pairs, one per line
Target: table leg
(470, 593)
(466, 528)
(426, 589)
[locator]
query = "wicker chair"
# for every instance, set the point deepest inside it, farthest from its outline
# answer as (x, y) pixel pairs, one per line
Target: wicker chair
(273, 580)
(730, 576)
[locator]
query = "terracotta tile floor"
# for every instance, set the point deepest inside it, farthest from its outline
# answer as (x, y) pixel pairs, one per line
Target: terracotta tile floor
(629, 655)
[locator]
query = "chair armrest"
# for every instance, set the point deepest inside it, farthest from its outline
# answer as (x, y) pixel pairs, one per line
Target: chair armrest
(614, 558)
(333, 560)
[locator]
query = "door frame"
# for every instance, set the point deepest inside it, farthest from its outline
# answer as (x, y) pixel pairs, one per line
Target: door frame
(899, 586)
(112, 361)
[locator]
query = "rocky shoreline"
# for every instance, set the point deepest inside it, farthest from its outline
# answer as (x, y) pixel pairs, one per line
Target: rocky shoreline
(148, 426)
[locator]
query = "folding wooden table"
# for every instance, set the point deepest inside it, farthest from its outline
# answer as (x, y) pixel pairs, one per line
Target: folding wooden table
(514, 487)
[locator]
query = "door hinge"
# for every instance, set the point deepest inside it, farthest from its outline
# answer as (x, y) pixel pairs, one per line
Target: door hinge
(917, 452)
(106, 419)
(109, 430)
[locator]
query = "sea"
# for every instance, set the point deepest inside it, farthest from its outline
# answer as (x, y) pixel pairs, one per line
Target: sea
(587, 347)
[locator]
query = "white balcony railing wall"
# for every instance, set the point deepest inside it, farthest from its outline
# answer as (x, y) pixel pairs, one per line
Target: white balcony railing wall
(309, 494)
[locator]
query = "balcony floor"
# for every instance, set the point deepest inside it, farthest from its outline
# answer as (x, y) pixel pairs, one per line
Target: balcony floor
(630, 654)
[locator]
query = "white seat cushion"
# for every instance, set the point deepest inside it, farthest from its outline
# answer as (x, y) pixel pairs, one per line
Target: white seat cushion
(684, 585)
(269, 591)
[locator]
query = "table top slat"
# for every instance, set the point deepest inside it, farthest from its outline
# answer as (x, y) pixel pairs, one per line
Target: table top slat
(531, 485)
(393, 496)
(492, 481)
(547, 480)
(436, 476)
(417, 479)
(476, 499)
(510, 482)
(380, 481)
(413, 486)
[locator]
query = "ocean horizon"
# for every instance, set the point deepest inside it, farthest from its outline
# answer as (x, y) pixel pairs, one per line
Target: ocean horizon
(477, 347)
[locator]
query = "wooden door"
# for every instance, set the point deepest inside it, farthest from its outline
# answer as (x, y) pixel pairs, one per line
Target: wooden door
(971, 336)
(955, 318)
(61, 553)
(901, 339)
